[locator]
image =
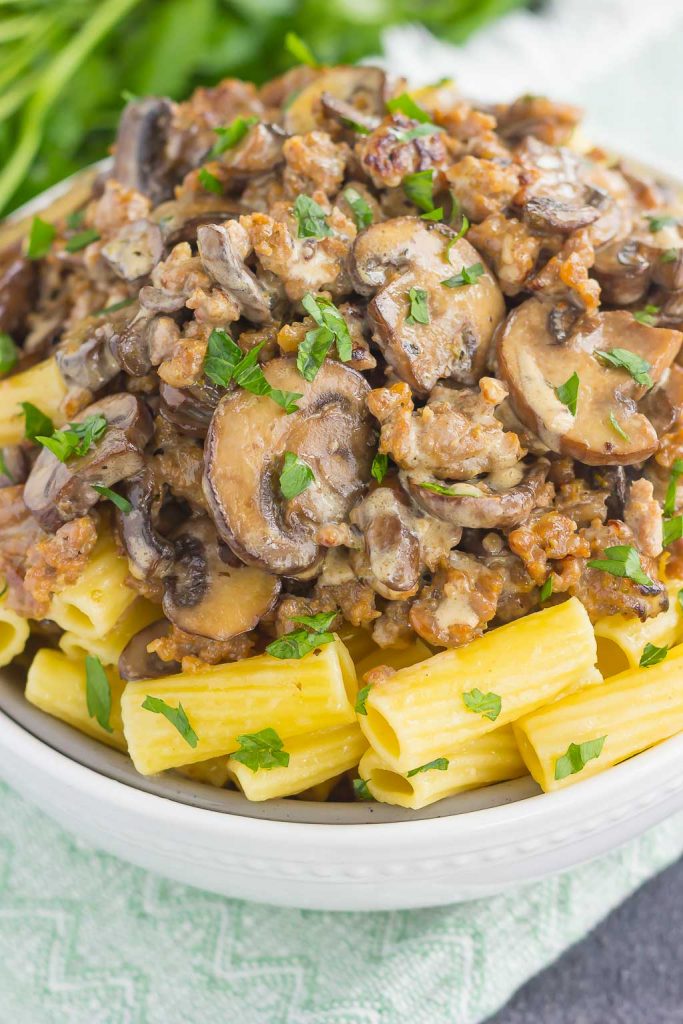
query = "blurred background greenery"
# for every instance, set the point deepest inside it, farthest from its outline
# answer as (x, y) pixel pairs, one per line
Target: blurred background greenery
(64, 64)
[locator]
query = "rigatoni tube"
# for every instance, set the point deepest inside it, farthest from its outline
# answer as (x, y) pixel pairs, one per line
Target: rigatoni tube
(622, 639)
(43, 386)
(422, 711)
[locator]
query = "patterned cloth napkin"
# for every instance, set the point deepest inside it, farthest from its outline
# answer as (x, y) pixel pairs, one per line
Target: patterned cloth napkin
(87, 939)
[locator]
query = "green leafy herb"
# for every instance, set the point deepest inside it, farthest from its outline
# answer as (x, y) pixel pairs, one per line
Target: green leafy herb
(261, 751)
(436, 214)
(669, 256)
(311, 218)
(97, 692)
(176, 716)
(670, 499)
(319, 623)
(617, 428)
(652, 655)
(80, 240)
(359, 706)
(647, 316)
(4, 469)
(312, 351)
(230, 135)
(487, 705)
(464, 228)
(9, 354)
(546, 590)
(452, 490)
(361, 210)
(419, 132)
(36, 422)
(439, 764)
(222, 356)
(300, 50)
(209, 182)
(419, 306)
(301, 642)
(328, 318)
(74, 220)
(419, 188)
(577, 757)
(405, 104)
(355, 126)
(248, 373)
(287, 400)
(380, 465)
(679, 597)
(672, 530)
(468, 275)
(115, 307)
(661, 221)
(40, 239)
(225, 361)
(568, 393)
(116, 499)
(624, 561)
(360, 788)
(76, 439)
(295, 477)
(634, 364)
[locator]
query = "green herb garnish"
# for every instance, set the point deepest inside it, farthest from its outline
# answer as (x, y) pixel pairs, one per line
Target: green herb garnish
(209, 182)
(617, 428)
(546, 590)
(40, 239)
(76, 439)
(419, 306)
(405, 104)
(97, 692)
(487, 705)
(301, 642)
(669, 256)
(176, 716)
(652, 655)
(568, 393)
(634, 364)
(439, 764)
(225, 362)
(419, 188)
(9, 354)
(222, 356)
(311, 218)
(295, 477)
(360, 788)
(380, 465)
(672, 530)
(81, 240)
(468, 275)
(361, 698)
(647, 316)
(261, 751)
(116, 499)
(577, 757)
(419, 132)
(36, 422)
(670, 499)
(328, 317)
(300, 50)
(661, 221)
(624, 561)
(361, 210)
(230, 135)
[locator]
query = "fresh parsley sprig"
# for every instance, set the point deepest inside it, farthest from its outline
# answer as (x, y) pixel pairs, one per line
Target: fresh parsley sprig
(331, 328)
(379, 467)
(488, 705)
(439, 764)
(261, 751)
(419, 306)
(634, 364)
(568, 393)
(301, 642)
(230, 135)
(176, 716)
(9, 354)
(295, 477)
(361, 210)
(577, 757)
(225, 362)
(468, 275)
(623, 561)
(40, 239)
(77, 439)
(652, 655)
(311, 218)
(97, 692)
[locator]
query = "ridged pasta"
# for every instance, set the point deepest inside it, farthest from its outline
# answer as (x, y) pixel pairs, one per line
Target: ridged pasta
(394, 657)
(109, 646)
(92, 606)
(14, 634)
(43, 386)
(621, 640)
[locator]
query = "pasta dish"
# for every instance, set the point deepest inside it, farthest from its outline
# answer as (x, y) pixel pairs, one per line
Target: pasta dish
(341, 435)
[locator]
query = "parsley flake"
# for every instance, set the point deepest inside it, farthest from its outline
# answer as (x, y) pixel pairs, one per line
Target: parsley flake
(670, 500)
(311, 218)
(568, 393)
(439, 764)
(452, 490)
(328, 317)
(97, 692)
(405, 104)
(419, 306)
(672, 530)
(647, 316)
(624, 359)
(669, 256)
(546, 590)
(652, 655)
(661, 221)
(420, 131)
(76, 439)
(209, 182)
(380, 465)
(115, 307)
(487, 705)
(617, 428)
(9, 354)
(577, 757)
(222, 356)
(361, 698)
(301, 642)
(176, 716)
(300, 50)
(40, 239)
(4, 469)
(225, 361)
(81, 240)
(419, 189)
(230, 135)
(116, 499)
(36, 422)
(361, 210)
(295, 477)
(360, 788)
(468, 275)
(261, 751)
(624, 561)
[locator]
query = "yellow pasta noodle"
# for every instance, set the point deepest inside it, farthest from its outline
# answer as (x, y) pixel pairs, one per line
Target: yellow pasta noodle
(420, 712)
(93, 605)
(223, 702)
(621, 639)
(313, 759)
(109, 646)
(214, 771)
(14, 633)
(491, 758)
(43, 385)
(358, 641)
(633, 711)
(394, 657)
(57, 685)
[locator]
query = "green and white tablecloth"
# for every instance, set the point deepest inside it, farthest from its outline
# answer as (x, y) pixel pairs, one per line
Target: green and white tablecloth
(87, 939)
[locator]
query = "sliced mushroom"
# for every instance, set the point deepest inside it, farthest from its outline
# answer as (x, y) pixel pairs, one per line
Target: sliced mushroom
(664, 404)
(226, 266)
(390, 559)
(346, 114)
(623, 270)
(17, 282)
(546, 214)
(211, 595)
(134, 250)
(139, 160)
(57, 492)
(533, 366)
(85, 357)
(244, 453)
(136, 662)
(498, 501)
(189, 409)
(149, 554)
(179, 219)
(396, 255)
(364, 88)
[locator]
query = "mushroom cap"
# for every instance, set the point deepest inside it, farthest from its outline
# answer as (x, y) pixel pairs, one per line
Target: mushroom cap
(362, 86)
(17, 285)
(533, 365)
(504, 499)
(135, 661)
(139, 160)
(396, 255)
(225, 266)
(210, 595)
(244, 452)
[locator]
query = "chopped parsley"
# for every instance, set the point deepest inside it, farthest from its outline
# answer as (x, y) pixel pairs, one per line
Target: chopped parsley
(487, 705)
(624, 561)
(419, 188)
(230, 135)
(670, 499)
(669, 256)
(546, 590)
(647, 316)
(468, 275)
(299, 49)
(405, 104)
(452, 490)
(261, 751)
(652, 655)
(419, 306)
(361, 210)
(672, 530)
(209, 182)
(116, 499)
(97, 692)
(312, 352)
(661, 221)
(76, 439)
(222, 356)
(617, 428)
(74, 220)
(464, 228)
(311, 218)
(40, 239)
(4, 469)
(301, 642)
(225, 362)
(176, 716)
(577, 757)
(9, 353)
(360, 788)
(439, 764)
(81, 239)
(295, 477)
(419, 132)
(634, 364)
(328, 317)
(36, 422)
(568, 393)
(361, 698)
(380, 465)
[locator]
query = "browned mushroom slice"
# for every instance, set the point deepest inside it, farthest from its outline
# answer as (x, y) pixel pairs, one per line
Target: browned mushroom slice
(134, 250)
(136, 662)
(547, 214)
(57, 492)
(17, 280)
(179, 219)
(244, 454)
(189, 409)
(607, 428)
(139, 160)
(362, 87)
(85, 357)
(395, 256)
(664, 404)
(623, 270)
(210, 595)
(227, 267)
(498, 501)
(390, 561)
(149, 554)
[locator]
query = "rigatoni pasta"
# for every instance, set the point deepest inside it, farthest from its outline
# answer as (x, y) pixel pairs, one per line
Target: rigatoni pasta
(622, 640)
(109, 646)
(92, 607)
(14, 634)
(43, 386)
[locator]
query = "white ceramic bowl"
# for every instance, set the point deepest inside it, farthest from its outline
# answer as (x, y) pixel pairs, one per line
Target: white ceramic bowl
(324, 856)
